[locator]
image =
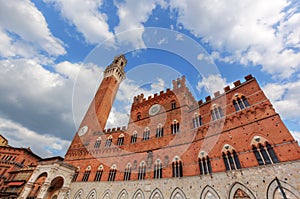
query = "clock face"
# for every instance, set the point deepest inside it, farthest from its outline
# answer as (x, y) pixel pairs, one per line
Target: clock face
(154, 109)
(83, 130)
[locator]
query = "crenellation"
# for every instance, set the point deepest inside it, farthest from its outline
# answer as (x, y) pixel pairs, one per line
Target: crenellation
(208, 98)
(237, 83)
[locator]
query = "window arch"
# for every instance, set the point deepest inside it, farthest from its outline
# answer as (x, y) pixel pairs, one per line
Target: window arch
(159, 131)
(108, 141)
(86, 174)
(197, 120)
(217, 112)
(142, 171)
(230, 158)
(121, 139)
(76, 174)
(158, 169)
(133, 137)
(97, 143)
(127, 172)
(138, 116)
(112, 173)
(204, 163)
(240, 102)
(177, 167)
(99, 173)
(146, 134)
(173, 104)
(264, 153)
(175, 127)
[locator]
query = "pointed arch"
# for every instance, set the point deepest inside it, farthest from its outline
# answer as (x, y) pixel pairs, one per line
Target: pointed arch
(107, 194)
(156, 194)
(208, 191)
(79, 194)
(139, 194)
(290, 191)
(92, 194)
(178, 194)
(123, 194)
(238, 186)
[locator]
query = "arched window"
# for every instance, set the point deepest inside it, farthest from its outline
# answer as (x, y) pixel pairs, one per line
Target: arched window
(127, 172)
(217, 113)
(264, 154)
(134, 137)
(231, 160)
(142, 171)
(159, 131)
(240, 102)
(177, 167)
(99, 173)
(204, 165)
(108, 141)
(146, 134)
(173, 104)
(175, 127)
(97, 143)
(121, 140)
(112, 173)
(197, 120)
(76, 175)
(86, 174)
(158, 169)
(138, 117)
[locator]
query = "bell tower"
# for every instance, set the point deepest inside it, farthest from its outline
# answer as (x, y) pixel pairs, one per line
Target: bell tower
(97, 114)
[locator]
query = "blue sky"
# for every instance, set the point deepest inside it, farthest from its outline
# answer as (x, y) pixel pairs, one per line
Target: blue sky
(53, 52)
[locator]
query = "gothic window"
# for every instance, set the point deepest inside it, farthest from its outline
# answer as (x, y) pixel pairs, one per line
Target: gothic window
(99, 173)
(97, 143)
(175, 127)
(240, 103)
(173, 105)
(134, 137)
(197, 120)
(204, 165)
(146, 134)
(217, 113)
(142, 171)
(121, 140)
(127, 172)
(264, 154)
(108, 141)
(138, 116)
(158, 169)
(159, 131)
(76, 175)
(177, 168)
(86, 174)
(112, 173)
(231, 160)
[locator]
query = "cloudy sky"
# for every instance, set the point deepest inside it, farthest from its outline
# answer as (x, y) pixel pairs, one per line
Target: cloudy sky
(50, 52)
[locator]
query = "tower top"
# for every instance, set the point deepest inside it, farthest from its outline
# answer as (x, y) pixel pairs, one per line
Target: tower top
(116, 68)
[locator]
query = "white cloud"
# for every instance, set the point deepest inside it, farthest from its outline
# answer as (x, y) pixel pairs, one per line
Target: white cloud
(86, 17)
(132, 15)
(212, 83)
(19, 136)
(256, 32)
(19, 22)
(41, 100)
(296, 135)
(286, 99)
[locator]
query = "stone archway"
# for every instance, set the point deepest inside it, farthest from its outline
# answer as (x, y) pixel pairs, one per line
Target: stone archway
(240, 191)
(38, 183)
(54, 188)
(274, 192)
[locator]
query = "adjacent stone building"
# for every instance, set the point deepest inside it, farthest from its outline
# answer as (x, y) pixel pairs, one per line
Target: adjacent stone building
(231, 145)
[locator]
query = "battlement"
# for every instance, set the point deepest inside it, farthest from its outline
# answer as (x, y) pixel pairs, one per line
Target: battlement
(226, 89)
(116, 129)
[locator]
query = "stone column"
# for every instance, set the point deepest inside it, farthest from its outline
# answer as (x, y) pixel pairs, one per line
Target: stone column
(27, 189)
(64, 193)
(43, 191)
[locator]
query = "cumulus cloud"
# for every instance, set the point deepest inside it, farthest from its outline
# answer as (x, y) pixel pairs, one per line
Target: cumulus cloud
(286, 99)
(250, 32)
(212, 83)
(86, 17)
(19, 22)
(19, 136)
